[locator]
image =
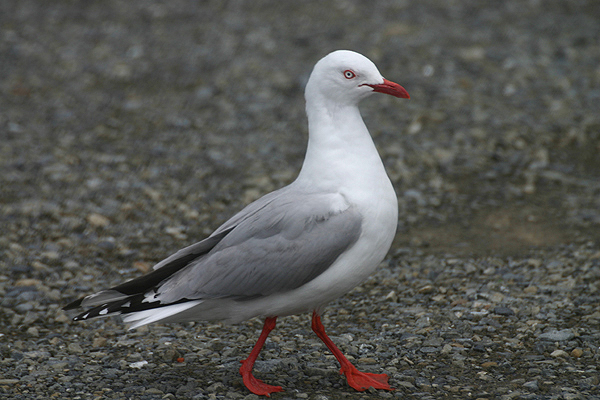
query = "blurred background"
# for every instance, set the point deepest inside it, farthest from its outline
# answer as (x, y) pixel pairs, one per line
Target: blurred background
(131, 129)
(106, 105)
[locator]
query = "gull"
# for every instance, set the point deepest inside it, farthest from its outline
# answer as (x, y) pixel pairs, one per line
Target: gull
(293, 250)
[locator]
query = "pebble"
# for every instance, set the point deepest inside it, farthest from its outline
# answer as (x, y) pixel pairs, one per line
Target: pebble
(99, 342)
(27, 282)
(503, 311)
(577, 352)
(75, 348)
(557, 335)
(138, 364)
(426, 289)
(98, 220)
(489, 364)
(559, 353)
(531, 289)
(33, 331)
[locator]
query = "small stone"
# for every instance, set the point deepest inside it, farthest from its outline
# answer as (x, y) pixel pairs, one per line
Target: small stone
(503, 311)
(422, 382)
(61, 317)
(489, 271)
(367, 360)
(438, 298)
(153, 391)
(33, 331)
(24, 307)
(576, 352)
(559, 353)
(40, 266)
(28, 282)
(496, 297)
(557, 336)
(59, 366)
(531, 385)
(426, 289)
(530, 289)
(474, 53)
(75, 348)
(406, 384)
(138, 364)
(429, 349)
(51, 255)
(99, 342)
(489, 364)
(216, 387)
(37, 354)
(170, 355)
(98, 220)
(392, 296)
(177, 232)
(415, 127)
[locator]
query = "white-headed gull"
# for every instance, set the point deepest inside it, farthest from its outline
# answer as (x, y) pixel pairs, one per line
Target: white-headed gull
(293, 250)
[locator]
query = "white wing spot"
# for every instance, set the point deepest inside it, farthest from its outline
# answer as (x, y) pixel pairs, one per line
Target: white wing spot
(149, 297)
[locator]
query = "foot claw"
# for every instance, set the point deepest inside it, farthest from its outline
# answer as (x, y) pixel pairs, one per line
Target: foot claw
(257, 386)
(361, 381)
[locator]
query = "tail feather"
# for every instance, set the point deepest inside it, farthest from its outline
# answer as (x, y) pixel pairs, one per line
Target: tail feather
(96, 299)
(103, 310)
(136, 299)
(144, 317)
(137, 309)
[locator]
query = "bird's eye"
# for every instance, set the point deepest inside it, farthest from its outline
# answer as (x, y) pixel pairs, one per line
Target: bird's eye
(349, 74)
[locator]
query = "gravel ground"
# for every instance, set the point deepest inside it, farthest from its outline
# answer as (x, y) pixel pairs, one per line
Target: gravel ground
(131, 129)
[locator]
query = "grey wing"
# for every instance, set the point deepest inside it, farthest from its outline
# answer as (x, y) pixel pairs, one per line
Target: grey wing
(281, 245)
(201, 247)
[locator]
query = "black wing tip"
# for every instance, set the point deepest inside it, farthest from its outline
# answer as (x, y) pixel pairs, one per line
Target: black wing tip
(73, 305)
(102, 310)
(128, 305)
(79, 317)
(96, 311)
(146, 282)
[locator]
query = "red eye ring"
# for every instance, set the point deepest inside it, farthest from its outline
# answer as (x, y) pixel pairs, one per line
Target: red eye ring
(349, 74)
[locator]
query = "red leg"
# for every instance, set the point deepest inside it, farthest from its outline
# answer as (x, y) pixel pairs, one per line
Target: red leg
(358, 380)
(255, 385)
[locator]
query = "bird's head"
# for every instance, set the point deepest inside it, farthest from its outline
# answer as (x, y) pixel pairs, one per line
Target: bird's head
(346, 77)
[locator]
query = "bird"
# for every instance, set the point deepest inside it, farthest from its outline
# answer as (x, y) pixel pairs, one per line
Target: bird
(293, 250)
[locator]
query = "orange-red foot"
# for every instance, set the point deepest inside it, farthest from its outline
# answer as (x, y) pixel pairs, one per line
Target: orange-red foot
(361, 381)
(257, 386)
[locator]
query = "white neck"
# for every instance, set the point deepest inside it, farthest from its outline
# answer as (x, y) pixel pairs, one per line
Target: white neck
(340, 150)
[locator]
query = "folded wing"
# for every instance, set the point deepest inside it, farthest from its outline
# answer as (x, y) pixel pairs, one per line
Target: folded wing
(276, 244)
